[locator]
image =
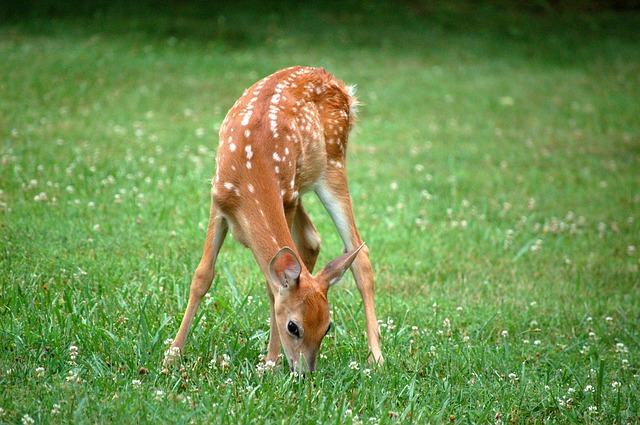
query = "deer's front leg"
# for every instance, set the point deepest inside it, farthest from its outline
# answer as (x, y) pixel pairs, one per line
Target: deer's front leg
(306, 237)
(202, 278)
(273, 351)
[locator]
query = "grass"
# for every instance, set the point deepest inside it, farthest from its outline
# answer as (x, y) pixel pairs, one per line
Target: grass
(494, 177)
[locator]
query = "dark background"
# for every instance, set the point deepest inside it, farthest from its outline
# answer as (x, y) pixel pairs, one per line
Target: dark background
(12, 10)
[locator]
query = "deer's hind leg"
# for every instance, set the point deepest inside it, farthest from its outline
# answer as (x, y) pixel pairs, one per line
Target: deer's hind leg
(334, 195)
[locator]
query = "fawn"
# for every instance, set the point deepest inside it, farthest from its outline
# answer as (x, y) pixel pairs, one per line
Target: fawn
(285, 136)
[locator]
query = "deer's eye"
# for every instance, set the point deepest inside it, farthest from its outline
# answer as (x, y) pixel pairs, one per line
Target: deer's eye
(293, 329)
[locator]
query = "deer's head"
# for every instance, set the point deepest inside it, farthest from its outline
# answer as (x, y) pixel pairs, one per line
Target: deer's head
(301, 306)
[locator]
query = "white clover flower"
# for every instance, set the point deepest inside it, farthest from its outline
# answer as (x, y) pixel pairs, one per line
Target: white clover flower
(224, 363)
(39, 372)
(354, 365)
(390, 324)
(73, 352)
(172, 353)
(72, 377)
(27, 420)
(537, 246)
(621, 348)
(41, 197)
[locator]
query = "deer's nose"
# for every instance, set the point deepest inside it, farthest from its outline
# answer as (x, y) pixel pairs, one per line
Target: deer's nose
(302, 366)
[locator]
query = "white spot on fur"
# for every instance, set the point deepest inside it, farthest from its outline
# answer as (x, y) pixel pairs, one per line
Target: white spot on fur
(231, 188)
(232, 147)
(250, 187)
(247, 116)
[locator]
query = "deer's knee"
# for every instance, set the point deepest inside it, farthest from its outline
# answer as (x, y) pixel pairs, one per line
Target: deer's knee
(201, 282)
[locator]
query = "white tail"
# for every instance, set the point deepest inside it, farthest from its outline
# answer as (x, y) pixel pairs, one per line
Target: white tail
(285, 136)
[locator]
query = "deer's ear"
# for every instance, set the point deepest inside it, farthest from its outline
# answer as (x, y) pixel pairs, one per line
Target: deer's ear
(333, 272)
(285, 268)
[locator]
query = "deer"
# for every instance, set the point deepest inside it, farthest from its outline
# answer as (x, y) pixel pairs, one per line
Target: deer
(285, 136)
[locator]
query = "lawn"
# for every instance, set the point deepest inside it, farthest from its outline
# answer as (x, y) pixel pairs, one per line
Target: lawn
(495, 175)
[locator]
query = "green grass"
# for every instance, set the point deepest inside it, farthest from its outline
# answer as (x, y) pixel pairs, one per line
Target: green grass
(494, 176)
